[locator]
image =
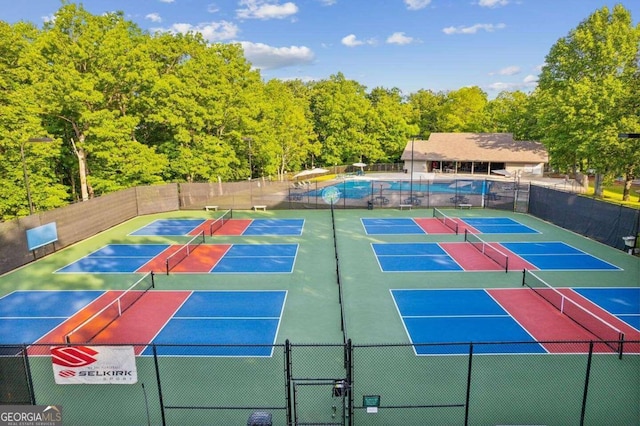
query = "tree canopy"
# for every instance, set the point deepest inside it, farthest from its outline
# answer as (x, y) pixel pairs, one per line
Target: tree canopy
(125, 107)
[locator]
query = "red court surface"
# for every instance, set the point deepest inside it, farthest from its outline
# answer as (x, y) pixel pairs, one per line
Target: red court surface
(159, 262)
(433, 226)
(471, 259)
(139, 324)
(202, 259)
(546, 323)
(233, 227)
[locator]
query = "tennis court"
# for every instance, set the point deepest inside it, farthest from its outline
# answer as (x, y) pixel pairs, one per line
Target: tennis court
(225, 226)
(444, 225)
(478, 255)
(209, 318)
(505, 315)
(200, 258)
(249, 295)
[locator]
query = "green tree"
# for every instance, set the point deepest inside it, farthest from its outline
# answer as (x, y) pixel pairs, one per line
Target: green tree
(341, 111)
(509, 112)
(287, 131)
(391, 128)
(425, 108)
(20, 120)
(584, 95)
(463, 110)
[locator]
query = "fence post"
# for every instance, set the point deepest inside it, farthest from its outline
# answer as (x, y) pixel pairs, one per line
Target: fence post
(468, 396)
(161, 401)
(27, 368)
(349, 364)
(287, 373)
(586, 384)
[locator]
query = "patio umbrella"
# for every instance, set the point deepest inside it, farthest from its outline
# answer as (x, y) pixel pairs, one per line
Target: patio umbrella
(314, 171)
(361, 165)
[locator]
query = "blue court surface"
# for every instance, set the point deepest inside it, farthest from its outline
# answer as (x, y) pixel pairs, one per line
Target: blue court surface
(26, 316)
(275, 227)
(116, 258)
(391, 226)
(169, 227)
(413, 257)
(239, 258)
(498, 225)
(220, 318)
(407, 225)
(459, 316)
(262, 258)
(556, 255)
(423, 257)
(622, 302)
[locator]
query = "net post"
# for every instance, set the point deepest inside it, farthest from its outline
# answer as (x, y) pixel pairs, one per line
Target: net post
(153, 279)
(166, 262)
(524, 273)
(506, 266)
(621, 346)
(67, 339)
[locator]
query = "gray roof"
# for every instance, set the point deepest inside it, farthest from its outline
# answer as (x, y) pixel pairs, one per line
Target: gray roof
(486, 147)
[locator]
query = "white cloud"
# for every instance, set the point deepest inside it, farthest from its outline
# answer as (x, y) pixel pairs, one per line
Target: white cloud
(328, 2)
(211, 31)
(167, 1)
(417, 4)
(399, 38)
(267, 57)
(212, 8)
(493, 3)
(529, 82)
(510, 70)
(473, 29)
(265, 9)
(153, 17)
(352, 41)
(50, 18)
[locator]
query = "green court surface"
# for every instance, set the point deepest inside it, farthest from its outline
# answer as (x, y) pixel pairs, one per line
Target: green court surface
(414, 390)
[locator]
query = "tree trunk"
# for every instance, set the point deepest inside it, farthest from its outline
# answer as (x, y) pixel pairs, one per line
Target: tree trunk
(82, 167)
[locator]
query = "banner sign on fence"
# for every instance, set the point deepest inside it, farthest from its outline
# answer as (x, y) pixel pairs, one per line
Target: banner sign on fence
(94, 365)
(40, 236)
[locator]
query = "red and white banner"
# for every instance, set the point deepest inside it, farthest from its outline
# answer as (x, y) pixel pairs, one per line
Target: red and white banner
(73, 365)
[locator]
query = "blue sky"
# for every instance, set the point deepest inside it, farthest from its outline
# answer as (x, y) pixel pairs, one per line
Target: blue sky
(437, 45)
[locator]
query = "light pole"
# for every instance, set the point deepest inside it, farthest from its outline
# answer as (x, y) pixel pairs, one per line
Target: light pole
(411, 177)
(248, 140)
(24, 168)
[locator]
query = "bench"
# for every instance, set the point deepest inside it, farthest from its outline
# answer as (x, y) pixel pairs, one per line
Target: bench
(263, 208)
(405, 206)
(464, 206)
(209, 208)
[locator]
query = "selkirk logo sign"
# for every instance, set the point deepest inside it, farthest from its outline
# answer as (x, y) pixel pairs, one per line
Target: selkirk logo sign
(94, 365)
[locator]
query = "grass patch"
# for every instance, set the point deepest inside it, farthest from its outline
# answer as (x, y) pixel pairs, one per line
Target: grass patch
(613, 193)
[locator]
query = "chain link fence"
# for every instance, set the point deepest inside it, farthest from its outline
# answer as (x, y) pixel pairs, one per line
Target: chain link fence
(334, 384)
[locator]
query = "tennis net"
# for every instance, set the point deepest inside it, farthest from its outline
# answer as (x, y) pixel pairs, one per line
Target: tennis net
(446, 220)
(487, 249)
(217, 224)
(95, 324)
(600, 328)
(184, 251)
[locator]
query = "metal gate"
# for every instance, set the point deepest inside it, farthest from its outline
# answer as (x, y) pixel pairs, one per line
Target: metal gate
(319, 384)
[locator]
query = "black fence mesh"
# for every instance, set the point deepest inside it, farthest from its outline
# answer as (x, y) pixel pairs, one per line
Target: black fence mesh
(334, 384)
(604, 222)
